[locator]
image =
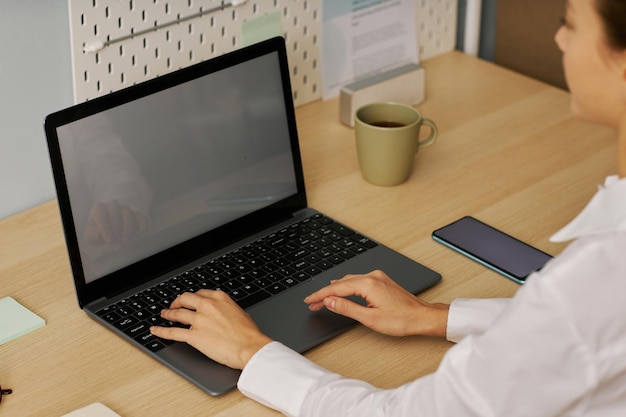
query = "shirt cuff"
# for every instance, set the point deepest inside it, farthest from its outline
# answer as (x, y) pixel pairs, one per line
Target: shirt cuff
(472, 316)
(279, 378)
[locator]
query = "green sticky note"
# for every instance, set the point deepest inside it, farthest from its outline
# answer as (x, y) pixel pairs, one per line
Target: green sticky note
(16, 320)
(261, 28)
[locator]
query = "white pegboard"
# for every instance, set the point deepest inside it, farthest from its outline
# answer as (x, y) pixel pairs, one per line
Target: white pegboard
(164, 50)
(436, 25)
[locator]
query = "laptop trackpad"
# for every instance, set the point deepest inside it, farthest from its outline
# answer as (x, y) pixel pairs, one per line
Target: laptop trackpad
(287, 319)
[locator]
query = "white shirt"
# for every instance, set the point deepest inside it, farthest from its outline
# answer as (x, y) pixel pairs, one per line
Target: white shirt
(558, 348)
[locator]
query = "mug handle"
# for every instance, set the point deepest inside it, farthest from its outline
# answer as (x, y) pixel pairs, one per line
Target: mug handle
(434, 132)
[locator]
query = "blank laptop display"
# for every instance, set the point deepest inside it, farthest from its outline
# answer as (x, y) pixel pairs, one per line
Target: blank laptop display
(194, 181)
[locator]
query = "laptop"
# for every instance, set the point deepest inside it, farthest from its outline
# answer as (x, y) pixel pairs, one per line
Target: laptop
(194, 180)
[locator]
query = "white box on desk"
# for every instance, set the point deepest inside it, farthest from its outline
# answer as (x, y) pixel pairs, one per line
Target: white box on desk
(404, 84)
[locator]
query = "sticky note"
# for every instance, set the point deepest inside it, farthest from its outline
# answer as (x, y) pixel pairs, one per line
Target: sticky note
(16, 320)
(93, 410)
(261, 28)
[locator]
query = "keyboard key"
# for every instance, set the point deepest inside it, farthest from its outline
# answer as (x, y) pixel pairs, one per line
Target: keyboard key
(253, 299)
(300, 265)
(325, 265)
(112, 317)
(299, 254)
(250, 288)
(208, 285)
(289, 282)
(358, 249)
(339, 228)
(155, 345)
(237, 294)
(145, 338)
(347, 254)
(313, 270)
(137, 329)
(336, 259)
(301, 276)
(156, 321)
(142, 314)
(263, 282)
(363, 241)
(313, 259)
(126, 322)
(276, 288)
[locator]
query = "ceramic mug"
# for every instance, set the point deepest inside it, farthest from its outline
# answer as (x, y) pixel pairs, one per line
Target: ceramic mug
(387, 139)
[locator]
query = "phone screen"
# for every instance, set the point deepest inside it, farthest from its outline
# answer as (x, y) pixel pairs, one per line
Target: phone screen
(492, 248)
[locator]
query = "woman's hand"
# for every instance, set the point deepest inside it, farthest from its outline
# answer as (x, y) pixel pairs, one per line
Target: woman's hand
(219, 327)
(390, 308)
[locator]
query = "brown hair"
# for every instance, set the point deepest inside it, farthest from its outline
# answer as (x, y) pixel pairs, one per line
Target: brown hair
(613, 14)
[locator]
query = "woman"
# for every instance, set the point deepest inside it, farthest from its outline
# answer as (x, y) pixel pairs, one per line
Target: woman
(557, 348)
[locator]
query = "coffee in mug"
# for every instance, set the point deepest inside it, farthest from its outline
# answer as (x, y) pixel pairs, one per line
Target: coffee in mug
(387, 139)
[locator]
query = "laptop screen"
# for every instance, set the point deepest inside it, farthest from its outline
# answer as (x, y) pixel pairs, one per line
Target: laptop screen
(152, 172)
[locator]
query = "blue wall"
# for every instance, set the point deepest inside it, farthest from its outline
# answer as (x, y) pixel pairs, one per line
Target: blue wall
(35, 79)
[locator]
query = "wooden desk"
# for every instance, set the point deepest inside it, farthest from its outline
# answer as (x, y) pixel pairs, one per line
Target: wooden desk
(508, 153)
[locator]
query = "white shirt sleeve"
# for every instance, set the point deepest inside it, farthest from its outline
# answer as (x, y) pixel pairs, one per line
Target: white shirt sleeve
(487, 374)
(291, 377)
(472, 316)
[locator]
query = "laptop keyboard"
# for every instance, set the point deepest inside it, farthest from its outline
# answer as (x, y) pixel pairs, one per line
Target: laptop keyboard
(249, 274)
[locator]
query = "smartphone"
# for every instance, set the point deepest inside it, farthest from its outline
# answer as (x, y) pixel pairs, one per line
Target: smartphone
(494, 249)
